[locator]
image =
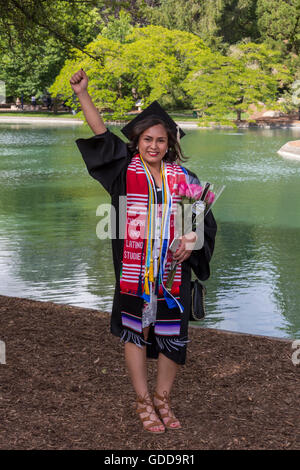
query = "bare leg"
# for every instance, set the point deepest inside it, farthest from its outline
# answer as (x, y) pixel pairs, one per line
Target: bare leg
(166, 373)
(135, 358)
(136, 362)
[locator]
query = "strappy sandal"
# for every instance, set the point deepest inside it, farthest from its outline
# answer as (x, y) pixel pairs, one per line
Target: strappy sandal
(166, 407)
(142, 404)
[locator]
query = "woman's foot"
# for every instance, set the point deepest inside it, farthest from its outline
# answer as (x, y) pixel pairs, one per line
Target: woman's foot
(149, 418)
(162, 405)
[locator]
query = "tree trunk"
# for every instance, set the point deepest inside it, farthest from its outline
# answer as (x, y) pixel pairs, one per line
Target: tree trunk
(55, 105)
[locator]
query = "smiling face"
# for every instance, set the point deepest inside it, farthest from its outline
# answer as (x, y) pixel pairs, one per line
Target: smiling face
(153, 145)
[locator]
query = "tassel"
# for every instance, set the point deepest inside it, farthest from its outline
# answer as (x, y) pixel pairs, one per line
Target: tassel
(146, 287)
(146, 297)
(172, 302)
(151, 273)
(146, 282)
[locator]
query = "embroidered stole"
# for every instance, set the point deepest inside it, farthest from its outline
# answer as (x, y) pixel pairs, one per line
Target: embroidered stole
(142, 273)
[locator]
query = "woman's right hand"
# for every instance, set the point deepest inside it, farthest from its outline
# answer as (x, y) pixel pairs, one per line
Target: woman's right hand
(79, 82)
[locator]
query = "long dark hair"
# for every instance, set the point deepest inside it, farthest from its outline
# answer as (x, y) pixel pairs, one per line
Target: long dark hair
(174, 150)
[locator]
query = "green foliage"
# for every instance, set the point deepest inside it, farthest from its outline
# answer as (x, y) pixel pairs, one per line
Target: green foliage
(177, 69)
(215, 21)
(31, 57)
(28, 22)
(252, 74)
(279, 23)
(225, 22)
(118, 29)
(189, 15)
(260, 57)
(152, 64)
(29, 73)
(173, 14)
(236, 20)
(256, 44)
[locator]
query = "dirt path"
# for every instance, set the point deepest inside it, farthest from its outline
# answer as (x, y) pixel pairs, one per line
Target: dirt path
(64, 386)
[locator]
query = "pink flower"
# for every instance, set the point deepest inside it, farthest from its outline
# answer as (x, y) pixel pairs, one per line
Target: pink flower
(210, 197)
(183, 189)
(195, 191)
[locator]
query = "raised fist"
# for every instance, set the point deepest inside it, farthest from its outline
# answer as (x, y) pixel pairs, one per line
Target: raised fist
(79, 81)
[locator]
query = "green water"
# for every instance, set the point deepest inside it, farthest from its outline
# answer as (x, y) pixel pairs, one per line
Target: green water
(48, 244)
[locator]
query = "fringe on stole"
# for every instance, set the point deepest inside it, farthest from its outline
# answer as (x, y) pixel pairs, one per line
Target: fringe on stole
(127, 336)
(164, 343)
(171, 343)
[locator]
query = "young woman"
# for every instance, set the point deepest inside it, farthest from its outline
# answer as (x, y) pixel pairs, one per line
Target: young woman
(150, 319)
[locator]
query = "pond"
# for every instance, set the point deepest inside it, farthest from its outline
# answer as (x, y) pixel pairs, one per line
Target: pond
(49, 249)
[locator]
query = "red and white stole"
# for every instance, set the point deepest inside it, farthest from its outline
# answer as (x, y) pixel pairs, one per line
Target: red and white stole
(140, 271)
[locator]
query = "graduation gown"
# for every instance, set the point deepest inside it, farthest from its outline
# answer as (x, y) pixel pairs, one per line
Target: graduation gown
(107, 157)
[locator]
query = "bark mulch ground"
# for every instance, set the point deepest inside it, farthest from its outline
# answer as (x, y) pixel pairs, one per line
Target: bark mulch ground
(64, 386)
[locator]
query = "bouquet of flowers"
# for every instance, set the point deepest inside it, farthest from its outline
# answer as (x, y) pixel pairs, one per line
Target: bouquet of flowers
(197, 195)
(200, 199)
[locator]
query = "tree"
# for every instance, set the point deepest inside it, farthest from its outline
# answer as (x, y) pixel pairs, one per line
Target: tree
(189, 15)
(158, 60)
(150, 64)
(220, 84)
(31, 72)
(215, 21)
(30, 66)
(237, 20)
(261, 57)
(118, 29)
(28, 22)
(225, 22)
(38, 36)
(279, 23)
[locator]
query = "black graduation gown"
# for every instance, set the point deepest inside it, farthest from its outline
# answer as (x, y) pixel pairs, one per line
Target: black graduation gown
(107, 157)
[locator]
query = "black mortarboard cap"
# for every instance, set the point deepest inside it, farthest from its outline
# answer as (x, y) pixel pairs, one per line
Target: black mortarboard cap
(154, 109)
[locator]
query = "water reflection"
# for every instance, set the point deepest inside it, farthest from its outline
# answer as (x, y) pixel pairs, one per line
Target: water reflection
(48, 244)
(249, 287)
